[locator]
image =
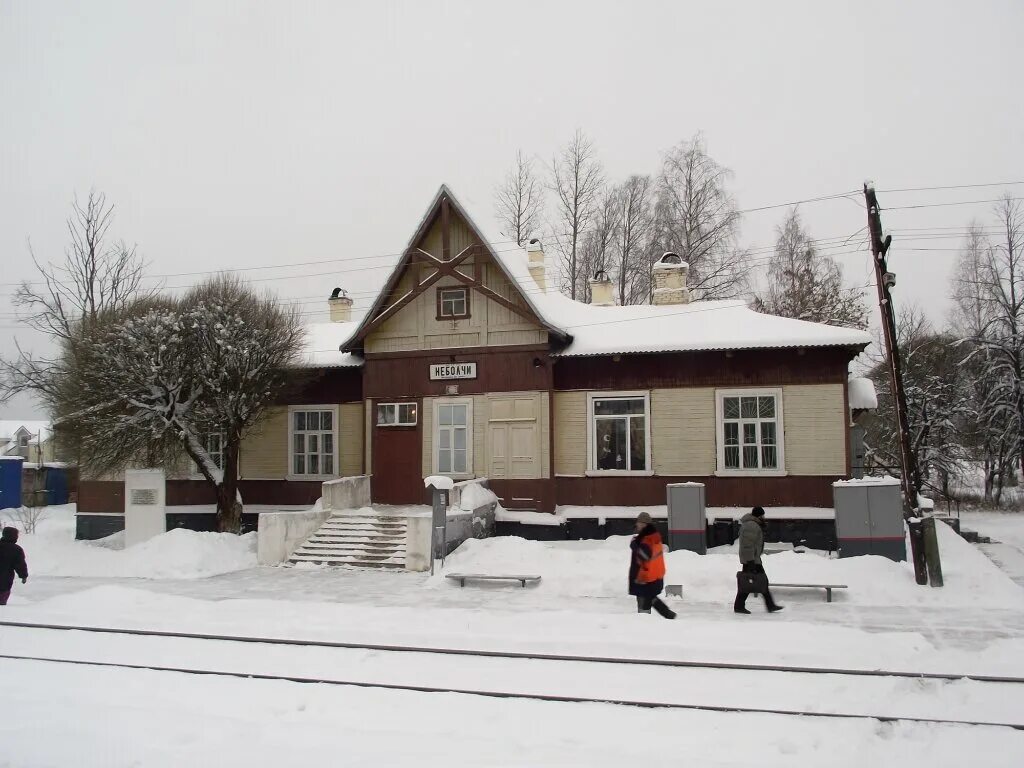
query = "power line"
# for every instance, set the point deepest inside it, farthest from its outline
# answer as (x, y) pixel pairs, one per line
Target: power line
(954, 186)
(958, 202)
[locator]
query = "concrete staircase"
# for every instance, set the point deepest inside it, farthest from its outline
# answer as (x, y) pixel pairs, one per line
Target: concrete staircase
(359, 541)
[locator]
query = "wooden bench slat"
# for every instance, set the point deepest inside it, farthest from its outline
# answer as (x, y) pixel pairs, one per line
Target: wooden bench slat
(462, 577)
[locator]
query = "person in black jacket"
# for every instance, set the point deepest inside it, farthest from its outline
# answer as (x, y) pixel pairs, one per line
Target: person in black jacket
(12, 561)
(647, 568)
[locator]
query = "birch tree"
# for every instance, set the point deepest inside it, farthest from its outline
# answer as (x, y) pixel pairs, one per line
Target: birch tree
(153, 380)
(696, 216)
(807, 285)
(577, 179)
(634, 281)
(990, 292)
(519, 201)
(97, 275)
(597, 247)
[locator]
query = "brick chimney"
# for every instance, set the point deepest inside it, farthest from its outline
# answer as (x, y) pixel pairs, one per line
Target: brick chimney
(601, 290)
(341, 306)
(670, 280)
(535, 251)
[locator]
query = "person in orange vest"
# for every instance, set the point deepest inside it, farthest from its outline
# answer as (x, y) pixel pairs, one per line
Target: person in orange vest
(647, 568)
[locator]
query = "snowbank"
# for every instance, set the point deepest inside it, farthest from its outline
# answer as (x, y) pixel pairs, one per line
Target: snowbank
(177, 554)
(598, 569)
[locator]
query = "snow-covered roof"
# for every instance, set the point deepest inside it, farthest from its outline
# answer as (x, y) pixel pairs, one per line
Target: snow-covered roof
(862, 394)
(700, 325)
(323, 341)
(38, 431)
(606, 330)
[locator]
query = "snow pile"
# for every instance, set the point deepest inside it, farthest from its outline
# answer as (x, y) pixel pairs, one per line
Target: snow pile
(862, 394)
(177, 554)
(599, 569)
(476, 495)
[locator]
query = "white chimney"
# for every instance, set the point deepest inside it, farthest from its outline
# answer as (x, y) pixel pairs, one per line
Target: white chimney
(535, 251)
(341, 306)
(601, 290)
(670, 280)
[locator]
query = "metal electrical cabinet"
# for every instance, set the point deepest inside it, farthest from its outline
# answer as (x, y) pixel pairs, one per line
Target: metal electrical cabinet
(869, 518)
(687, 517)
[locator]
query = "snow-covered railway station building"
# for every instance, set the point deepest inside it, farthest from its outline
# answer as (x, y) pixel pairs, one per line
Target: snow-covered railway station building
(471, 363)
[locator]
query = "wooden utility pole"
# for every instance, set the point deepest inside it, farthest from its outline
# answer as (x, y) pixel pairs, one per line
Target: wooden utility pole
(884, 279)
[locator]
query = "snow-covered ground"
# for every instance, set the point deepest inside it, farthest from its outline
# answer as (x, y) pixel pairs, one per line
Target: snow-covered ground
(89, 716)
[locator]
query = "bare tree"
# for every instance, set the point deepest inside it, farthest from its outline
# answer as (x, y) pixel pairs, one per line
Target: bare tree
(577, 179)
(97, 276)
(519, 201)
(696, 217)
(597, 245)
(937, 402)
(807, 285)
(989, 440)
(990, 294)
(159, 377)
(633, 274)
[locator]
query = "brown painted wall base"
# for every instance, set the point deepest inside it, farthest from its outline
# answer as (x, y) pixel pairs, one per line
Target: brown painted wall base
(792, 491)
(104, 496)
(538, 495)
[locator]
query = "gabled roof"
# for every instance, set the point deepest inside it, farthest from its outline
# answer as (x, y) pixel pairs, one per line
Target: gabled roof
(433, 211)
(584, 329)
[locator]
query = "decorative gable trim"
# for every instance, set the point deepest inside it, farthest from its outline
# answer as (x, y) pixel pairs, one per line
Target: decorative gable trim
(448, 266)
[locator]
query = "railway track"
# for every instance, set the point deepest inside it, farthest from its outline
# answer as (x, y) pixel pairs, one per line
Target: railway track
(879, 695)
(678, 663)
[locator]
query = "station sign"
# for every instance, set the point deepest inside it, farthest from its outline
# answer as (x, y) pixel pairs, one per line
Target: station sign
(443, 371)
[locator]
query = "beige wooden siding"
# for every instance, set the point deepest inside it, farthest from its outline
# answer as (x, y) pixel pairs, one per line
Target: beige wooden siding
(683, 432)
(264, 450)
(569, 421)
(350, 439)
(490, 324)
(815, 429)
(427, 418)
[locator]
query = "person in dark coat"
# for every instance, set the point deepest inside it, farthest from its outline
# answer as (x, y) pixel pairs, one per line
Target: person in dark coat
(647, 568)
(751, 549)
(12, 561)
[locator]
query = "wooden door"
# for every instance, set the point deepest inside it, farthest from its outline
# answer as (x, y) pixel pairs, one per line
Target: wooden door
(397, 460)
(513, 438)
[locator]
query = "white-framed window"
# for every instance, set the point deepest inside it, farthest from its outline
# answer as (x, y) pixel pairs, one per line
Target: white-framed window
(312, 441)
(453, 436)
(213, 443)
(750, 431)
(452, 303)
(396, 414)
(619, 432)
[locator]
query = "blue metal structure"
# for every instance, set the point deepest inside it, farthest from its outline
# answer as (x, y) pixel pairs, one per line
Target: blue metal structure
(10, 481)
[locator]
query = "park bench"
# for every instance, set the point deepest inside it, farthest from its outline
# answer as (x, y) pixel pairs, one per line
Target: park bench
(673, 590)
(462, 577)
(827, 587)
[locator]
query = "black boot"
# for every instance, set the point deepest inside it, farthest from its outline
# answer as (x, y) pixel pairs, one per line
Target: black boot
(642, 606)
(663, 609)
(770, 604)
(739, 605)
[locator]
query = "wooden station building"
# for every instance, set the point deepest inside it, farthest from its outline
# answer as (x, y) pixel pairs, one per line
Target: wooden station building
(470, 364)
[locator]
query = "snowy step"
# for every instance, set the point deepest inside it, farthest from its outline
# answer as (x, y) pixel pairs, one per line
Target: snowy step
(363, 553)
(359, 541)
(349, 562)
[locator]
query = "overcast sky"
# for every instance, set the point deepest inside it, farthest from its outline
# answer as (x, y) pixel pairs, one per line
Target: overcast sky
(240, 135)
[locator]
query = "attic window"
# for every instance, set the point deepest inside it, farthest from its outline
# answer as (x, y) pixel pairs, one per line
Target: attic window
(452, 303)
